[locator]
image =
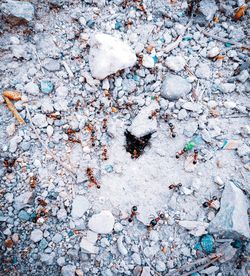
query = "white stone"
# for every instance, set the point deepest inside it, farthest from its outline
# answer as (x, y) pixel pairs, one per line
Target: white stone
(22, 200)
(213, 52)
(175, 63)
(40, 120)
(203, 71)
(218, 181)
(88, 246)
(197, 228)
(50, 130)
(243, 76)
(31, 88)
(148, 61)
(208, 8)
(62, 91)
(68, 270)
(60, 261)
(118, 227)
(36, 235)
(11, 129)
(79, 206)
(227, 87)
(14, 143)
(102, 223)
(61, 214)
(229, 104)
(109, 55)
(160, 266)
(122, 249)
(175, 87)
(232, 219)
(141, 124)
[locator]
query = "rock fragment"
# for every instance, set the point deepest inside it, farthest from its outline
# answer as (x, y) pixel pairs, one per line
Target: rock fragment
(175, 63)
(109, 55)
(22, 200)
(80, 206)
(232, 218)
(36, 235)
(17, 12)
(175, 87)
(68, 270)
(102, 223)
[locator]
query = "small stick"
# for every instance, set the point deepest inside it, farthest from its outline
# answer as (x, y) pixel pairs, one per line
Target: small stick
(224, 40)
(175, 44)
(12, 95)
(12, 108)
(49, 151)
(66, 66)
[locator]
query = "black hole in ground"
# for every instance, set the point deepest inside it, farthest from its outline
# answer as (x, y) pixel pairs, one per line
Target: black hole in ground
(135, 146)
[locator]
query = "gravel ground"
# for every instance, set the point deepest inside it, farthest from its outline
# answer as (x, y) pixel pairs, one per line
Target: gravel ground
(112, 92)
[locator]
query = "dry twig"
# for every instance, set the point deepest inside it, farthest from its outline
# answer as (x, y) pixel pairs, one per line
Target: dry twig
(224, 40)
(12, 108)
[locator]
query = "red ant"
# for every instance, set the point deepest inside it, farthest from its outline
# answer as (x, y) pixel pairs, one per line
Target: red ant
(133, 213)
(92, 179)
(72, 131)
(153, 114)
(54, 116)
(104, 153)
(73, 139)
(210, 203)
(175, 187)
(154, 221)
(195, 157)
(104, 123)
(9, 163)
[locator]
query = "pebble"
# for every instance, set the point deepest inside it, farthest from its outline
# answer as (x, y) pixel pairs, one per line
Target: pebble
(61, 261)
(50, 130)
(32, 88)
(11, 129)
(218, 181)
(36, 235)
(203, 71)
(213, 52)
(40, 120)
(109, 54)
(51, 65)
(23, 215)
(79, 206)
(175, 87)
(175, 63)
(229, 104)
(23, 200)
(47, 259)
(122, 249)
(68, 270)
(243, 76)
(227, 87)
(102, 223)
(57, 238)
(136, 258)
(46, 86)
(43, 244)
(88, 246)
(18, 12)
(160, 266)
(208, 8)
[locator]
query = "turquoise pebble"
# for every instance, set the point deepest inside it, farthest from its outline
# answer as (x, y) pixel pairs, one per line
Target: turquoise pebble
(24, 215)
(227, 44)
(207, 243)
(155, 58)
(109, 168)
(46, 86)
(43, 244)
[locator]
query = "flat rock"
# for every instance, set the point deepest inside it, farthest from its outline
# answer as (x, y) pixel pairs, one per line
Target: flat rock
(227, 87)
(232, 218)
(102, 223)
(22, 200)
(175, 87)
(88, 246)
(142, 124)
(109, 55)
(197, 228)
(40, 120)
(79, 206)
(31, 88)
(36, 235)
(17, 12)
(203, 71)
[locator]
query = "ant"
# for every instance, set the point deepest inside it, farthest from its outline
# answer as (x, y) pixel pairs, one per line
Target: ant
(175, 187)
(92, 138)
(104, 123)
(133, 213)
(92, 179)
(9, 163)
(42, 202)
(72, 131)
(154, 221)
(74, 140)
(54, 116)
(195, 156)
(33, 181)
(178, 154)
(104, 153)
(172, 127)
(210, 203)
(153, 114)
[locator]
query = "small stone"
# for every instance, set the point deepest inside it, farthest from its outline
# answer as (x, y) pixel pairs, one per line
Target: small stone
(160, 266)
(175, 87)
(229, 104)
(36, 235)
(122, 249)
(213, 52)
(243, 76)
(40, 120)
(148, 61)
(182, 114)
(23, 215)
(227, 87)
(31, 88)
(51, 65)
(118, 227)
(175, 63)
(102, 223)
(14, 143)
(17, 12)
(108, 55)
(50, 130)
(136, 258)
(197, 228)
(22, 200)
(61, 261)
(61, 214)
(43, 244)
(203, 71)
(48, 259)
(88, 247)
(79, 206)
(208, 8)
(11, 129)
(46, 86)
(57, 238)
(68, 270)
(207, 243)
(218, 181)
